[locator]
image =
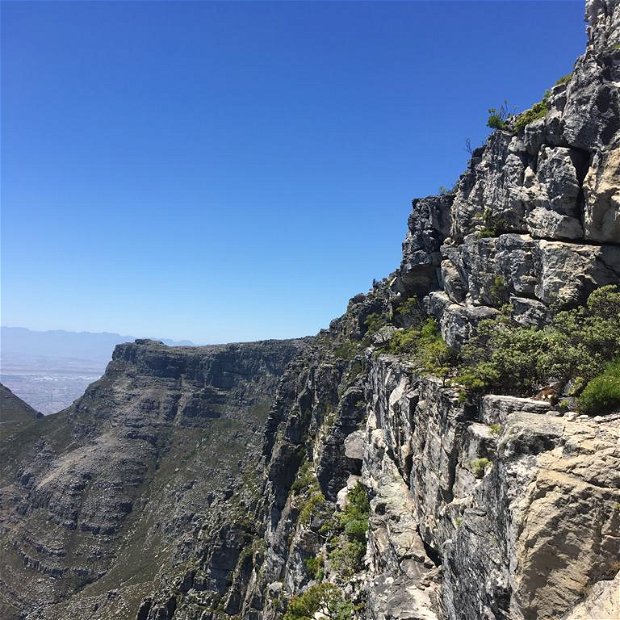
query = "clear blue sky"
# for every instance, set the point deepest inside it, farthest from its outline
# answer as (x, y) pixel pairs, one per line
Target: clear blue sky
(236, 171)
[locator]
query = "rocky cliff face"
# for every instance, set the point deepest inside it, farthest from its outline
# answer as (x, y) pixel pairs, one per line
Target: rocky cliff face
(500, 508)
(535, 219)
(101, 498)
(288, 479)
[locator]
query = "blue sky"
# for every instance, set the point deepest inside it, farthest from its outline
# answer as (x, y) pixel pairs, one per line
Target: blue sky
(235, 171)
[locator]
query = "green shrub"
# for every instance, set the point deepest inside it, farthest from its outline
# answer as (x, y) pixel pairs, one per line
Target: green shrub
(403, 341)
(492, 224)
(314, 566)
(425, 345)
(602, 394)
(485, 233)
(352, 523)
(410, 312)
(347, 557)
(537, 111)
(564, 79)
(409, 306)
(325, 597)
(347, 350)
(312, 505)
(498, 289)
(564, 405)
(356, 529)
(505, 357)
(374, 322)
(305, 478)
(498, 117)
(357, 509)
(479, 466)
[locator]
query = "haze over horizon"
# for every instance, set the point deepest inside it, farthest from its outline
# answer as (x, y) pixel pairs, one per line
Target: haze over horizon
(231, 172)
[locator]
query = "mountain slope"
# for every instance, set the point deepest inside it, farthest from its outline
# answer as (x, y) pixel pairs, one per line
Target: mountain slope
(108, 490)
(373, 471)
(51, 369)
(14, 413)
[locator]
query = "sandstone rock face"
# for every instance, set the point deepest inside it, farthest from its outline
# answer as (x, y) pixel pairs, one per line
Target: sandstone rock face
(602, 197)
(602, 603)
(502, 509)
(545, 503)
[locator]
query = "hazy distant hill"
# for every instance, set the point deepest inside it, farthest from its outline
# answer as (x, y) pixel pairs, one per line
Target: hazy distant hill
(50, 369)
(60, 343)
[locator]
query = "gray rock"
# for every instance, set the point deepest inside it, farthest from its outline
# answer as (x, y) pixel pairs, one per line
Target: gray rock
(354, 446)
(548, 224)
(602, 198)
(569, 272)
(528, 312)
(429, 225)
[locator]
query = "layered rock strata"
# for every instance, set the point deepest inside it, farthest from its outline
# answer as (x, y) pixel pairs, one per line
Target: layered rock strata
(97, 499)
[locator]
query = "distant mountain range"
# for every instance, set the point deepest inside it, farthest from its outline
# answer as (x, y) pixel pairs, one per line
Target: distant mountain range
(50, 369)
(66, 344)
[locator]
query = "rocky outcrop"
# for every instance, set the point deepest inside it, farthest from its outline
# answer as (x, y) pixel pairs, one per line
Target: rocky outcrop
(536, 214)
(516, 504)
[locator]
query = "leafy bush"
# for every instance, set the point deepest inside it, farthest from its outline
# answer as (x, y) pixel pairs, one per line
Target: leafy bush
(347, 556)
(425, 345)
(314, 566)
(354, 517)
(498, 289)
(479, 466)
(347, 350)
(492, 224)
(538, 110)
(403, 341)
(564, 79)
(496, 429)
(323, 597)
(410, 313)
(312, 505)
(498, 117)
(305, 478)
(374, 322)
(602, 394)
(511, 359)
(485, 233)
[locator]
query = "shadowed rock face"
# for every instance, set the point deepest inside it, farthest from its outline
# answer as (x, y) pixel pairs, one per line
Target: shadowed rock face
(109, 490)
(15, 414)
